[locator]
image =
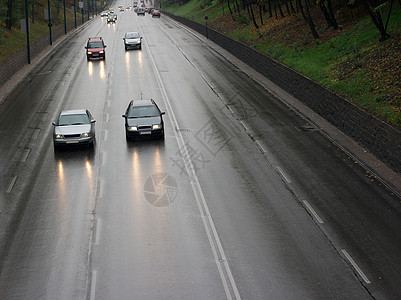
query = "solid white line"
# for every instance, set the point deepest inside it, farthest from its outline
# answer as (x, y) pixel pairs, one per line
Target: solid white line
(93, 285)
(313, 212)
(107, 117)
(243, 124)
(353, 263)
(283, 174)
(25, 155)
(104, 155)
(97, 239)
(11, 185)
(101, 189)
(208, 223)
(260, 146)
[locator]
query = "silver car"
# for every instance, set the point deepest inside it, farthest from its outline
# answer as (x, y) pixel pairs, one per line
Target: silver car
(74, 127)
(132, 40)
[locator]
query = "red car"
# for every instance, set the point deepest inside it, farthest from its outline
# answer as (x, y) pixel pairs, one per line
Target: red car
(156, 13)
(95, 48)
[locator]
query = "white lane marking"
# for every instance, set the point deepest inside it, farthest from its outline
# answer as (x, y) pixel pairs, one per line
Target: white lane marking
(282, 173)
(101, 189)
(106, 132)
(97, 238)
(353, 263)
(11, 185)
(210, 228)
(313, 212)
(93, 285)
(25, 155)
(107, 117)
(35, 133)
(244, 125)
(260, 145)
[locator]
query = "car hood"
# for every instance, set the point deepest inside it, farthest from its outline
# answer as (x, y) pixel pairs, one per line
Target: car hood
(144, 121)
(72, 129)
(132, 41)
(95, 49)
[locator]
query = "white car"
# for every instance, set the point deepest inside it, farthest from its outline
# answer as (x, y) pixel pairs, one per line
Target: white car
(132, 40)
(74, 127)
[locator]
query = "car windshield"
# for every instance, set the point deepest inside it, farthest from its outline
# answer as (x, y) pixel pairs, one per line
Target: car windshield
(73, 120)
(143, 112)
(95, 45)
(133, 35)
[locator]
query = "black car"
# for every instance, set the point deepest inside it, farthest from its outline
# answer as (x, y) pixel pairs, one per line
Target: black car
(143, 118)
(112, 18)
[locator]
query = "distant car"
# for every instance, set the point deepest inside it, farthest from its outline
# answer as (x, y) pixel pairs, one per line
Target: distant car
(95, 48)
(143, 118)
(74, 127)
(112, 18)
(132, 40)
(156, 13)
(104, 13)
(122, 9)
(140, 11)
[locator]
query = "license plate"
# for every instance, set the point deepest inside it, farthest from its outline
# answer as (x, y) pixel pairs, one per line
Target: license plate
(72, 142)
(145, 132)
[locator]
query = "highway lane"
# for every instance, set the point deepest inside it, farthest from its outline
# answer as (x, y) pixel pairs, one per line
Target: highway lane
(206, 213)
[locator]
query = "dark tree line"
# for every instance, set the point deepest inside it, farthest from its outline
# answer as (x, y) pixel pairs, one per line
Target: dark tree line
(378, 10)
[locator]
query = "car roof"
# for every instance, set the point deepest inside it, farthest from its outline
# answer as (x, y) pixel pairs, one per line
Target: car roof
(73, 112)
(142, 102)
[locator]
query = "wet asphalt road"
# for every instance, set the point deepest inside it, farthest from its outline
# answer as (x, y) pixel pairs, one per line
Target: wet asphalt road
(243, 198)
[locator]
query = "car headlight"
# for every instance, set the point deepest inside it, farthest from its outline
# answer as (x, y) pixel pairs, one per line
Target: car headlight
(132, 128)
(58, 136)
(86, 134)
(101, 51)
(157, 126)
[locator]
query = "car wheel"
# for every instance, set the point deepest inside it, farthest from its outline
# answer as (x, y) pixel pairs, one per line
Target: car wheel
(87, 58)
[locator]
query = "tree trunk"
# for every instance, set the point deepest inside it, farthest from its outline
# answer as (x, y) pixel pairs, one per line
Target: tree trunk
(331, 14)
(260, 14)
(33, 11)
(325, 14)
(279, 8)
(310, 21)
(377, 20)
(9, 14)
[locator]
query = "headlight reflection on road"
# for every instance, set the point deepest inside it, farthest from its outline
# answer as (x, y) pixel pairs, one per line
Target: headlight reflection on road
(90, 68)
(136, 168)
(127, 66)
(62, 183)
(140, 60)
(102, 71)
(88, 167)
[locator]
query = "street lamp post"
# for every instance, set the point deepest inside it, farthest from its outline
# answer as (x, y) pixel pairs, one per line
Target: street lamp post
(65, 21)
(50, 22)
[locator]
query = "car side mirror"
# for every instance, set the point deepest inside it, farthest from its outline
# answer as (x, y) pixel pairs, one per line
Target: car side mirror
(162, 113)
(124, 116)
(141, 38)
(86, 47)
(54, 123)
(105, 46)
(124, 39)
(93, 121)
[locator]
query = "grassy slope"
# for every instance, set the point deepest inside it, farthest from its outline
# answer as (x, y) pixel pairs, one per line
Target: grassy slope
(351, 62)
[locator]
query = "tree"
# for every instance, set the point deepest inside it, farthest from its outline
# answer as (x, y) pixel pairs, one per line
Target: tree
(9, 14)
(373, 7)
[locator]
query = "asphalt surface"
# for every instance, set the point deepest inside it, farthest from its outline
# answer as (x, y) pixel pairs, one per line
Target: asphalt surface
(245, 198)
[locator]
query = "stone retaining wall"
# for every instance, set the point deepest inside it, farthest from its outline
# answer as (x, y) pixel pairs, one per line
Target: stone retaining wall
(381, 139)
(17, 61)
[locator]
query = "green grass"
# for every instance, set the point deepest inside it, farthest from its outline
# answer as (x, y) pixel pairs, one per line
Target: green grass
(338, 64)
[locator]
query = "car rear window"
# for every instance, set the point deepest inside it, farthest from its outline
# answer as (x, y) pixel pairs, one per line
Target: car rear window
(143, 111)
(95, 45)
(73, 120)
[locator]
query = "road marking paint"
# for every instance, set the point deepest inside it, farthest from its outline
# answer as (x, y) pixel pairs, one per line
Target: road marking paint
(93, 285)
(223, 267)
(97, 239)
(283, 174)
(260, 146)
(11, 185)
(106, 132)
(243, 125)
(25, 155)
(353, 263)
(101, 189)
(107, 117)
(313, 212)
(35, 133)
